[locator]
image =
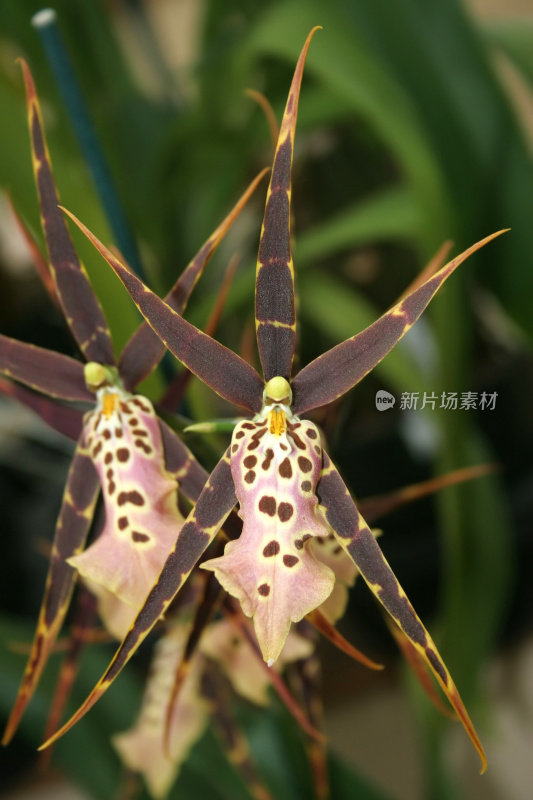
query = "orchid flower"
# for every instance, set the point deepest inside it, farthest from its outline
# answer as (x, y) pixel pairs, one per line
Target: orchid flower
(287, 487)
(123, 448)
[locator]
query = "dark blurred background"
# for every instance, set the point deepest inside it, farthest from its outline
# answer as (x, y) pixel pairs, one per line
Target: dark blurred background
(415, 127)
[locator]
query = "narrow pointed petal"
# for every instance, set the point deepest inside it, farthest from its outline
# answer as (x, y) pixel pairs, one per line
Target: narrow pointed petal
(335, 372)
(80, 305)
(271, 569)
(420, 669)
(175, 392)
(359, 542)
(39, 261)
(144, 350)
(43, 370)
(79, 636)
(322, 624)
(220, 368)
(275, 319)
(66, 420)
(75, 518)
(374, 507)
(201, 526)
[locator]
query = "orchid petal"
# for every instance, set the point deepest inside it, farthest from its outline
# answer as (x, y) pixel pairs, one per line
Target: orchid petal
(64, 419)
(142, 519)
(275, 319)
(144, 350)
(43, 370)
(374, 507)
(221, 369)
(270, 568)
(201, 526)
(75, 518)
(335, 372)
(360, 544)
(81, 307)
(181, 464)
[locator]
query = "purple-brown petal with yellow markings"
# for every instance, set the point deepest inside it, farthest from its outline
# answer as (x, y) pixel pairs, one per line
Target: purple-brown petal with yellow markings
(199, 529)
(43, 370)
(360, 544)
(64, 419)
(221, 369)
(80, 305)
(335, 372)
(144, 350)
(270, 568)
(181, 464)
(142, 519)
(75, 518)
(275, 319)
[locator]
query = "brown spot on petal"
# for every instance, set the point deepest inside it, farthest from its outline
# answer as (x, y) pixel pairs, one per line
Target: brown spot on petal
(269, 455)
(298, 442)
(139, 403)
(264, 589)
(250, 476)
(111, 487)
(140, 432)
(106, 434)
(285, 511)
(133, 422)
(311, 433)
(290, 561)
(234, 448)
(142, 446)
(271, 549)
(306, 486)
(118, 433)
(134, 497)
(337, 550)
(109, 473)
(97, 449)
(123, 454)
(108, 458)
(250, 461)
(249, 426)
(239, 434)
(139, 537)
(285, 468)
(267, 505)
(304, 464)
(122, 523)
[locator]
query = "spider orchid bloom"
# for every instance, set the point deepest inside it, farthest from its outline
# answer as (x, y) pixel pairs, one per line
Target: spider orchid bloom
(289, 490)
(123, 449)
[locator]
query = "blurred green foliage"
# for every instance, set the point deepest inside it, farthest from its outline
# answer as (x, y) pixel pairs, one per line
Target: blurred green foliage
(407, 136)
